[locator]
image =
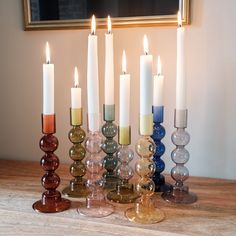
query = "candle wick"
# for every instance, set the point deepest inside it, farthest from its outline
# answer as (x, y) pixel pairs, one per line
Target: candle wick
(158, 74)
(48, 62)
(92, 33)
(146, 53)
(124, 72)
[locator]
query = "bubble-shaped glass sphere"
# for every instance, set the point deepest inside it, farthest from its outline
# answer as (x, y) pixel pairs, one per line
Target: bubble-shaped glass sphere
(179, 173)
(160, 164)
(180, 137)
(94, 163)
(94, 142)
(160, 148)
(145, 186)
(50, 181)
(158, 132)
(95, 182)
(78, 169)
(109, 129)
(109, 146)
(110, 163)
(48, 143)
(145, 167)
(76, 135)
(180, 155)
(77, 152)
(125, 154)
(145, 147)
(124, 172)
(49, 162)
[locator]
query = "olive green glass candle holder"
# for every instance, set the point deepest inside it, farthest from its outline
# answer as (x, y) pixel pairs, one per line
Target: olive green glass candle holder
(77, 187)
(110, 146)
(124, 192)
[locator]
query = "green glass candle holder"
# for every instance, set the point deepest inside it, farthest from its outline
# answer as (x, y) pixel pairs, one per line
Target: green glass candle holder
(77, 187)
(110, 146)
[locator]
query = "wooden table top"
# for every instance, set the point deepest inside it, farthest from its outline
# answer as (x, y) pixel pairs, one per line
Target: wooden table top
(213, 214)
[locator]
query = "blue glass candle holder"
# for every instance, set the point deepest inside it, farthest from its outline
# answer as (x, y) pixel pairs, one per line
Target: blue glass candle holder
(158, 134)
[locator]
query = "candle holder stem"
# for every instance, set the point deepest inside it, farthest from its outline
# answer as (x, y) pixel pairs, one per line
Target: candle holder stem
(124, 192)
(158, 134)
(51, 200)
(110, 146)
(144, 211)
(77, 152)
(180, 193)
(96, 205)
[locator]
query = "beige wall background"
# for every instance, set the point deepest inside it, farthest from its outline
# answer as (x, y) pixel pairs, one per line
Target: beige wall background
(211, 72)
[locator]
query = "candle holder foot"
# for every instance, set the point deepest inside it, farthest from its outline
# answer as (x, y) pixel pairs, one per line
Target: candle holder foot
(180, 196)
(51, 204)
(123, 194)
(96, 209)
(145, 213)
(76, 190)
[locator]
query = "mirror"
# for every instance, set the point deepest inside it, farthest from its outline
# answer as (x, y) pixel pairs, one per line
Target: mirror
(76, 14)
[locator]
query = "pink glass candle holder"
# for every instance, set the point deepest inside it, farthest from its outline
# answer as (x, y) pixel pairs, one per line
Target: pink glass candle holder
(95, 205)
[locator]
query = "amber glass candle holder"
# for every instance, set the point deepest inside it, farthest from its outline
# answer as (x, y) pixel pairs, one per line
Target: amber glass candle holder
(158, 134)
(51, 200)
(180, 193)
(109, 147)
(124, 192)
(77, 152)
(95, 205)
(144, 211)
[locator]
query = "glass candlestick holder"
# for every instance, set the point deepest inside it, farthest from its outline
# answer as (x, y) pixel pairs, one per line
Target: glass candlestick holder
(124, 192)
(51, 200)
(180, 156)
(158, 134)
(77, 187)
(95, 205)
(144, 211)
(109, 146)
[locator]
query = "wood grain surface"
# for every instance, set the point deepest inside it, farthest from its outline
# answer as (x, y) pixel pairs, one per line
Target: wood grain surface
(213, 214)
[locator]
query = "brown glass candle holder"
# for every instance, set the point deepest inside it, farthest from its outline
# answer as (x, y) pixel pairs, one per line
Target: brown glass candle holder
(77, 152)
(51, 200)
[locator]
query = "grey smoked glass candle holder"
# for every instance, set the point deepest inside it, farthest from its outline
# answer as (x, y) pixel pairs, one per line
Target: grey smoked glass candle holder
(110, 146)
(180, 193)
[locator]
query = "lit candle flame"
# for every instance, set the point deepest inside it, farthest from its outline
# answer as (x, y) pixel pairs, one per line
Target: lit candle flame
(159, 66)
(124, 62)
(145, 44)
(93, 29)
(76, 77)
(109, 24)
(47, 53)
(179, 19)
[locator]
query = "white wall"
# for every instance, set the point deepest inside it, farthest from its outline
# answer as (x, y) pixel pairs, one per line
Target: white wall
(211, 72)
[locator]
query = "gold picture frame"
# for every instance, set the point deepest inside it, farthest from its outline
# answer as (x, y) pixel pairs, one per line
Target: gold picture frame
(146, 21)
